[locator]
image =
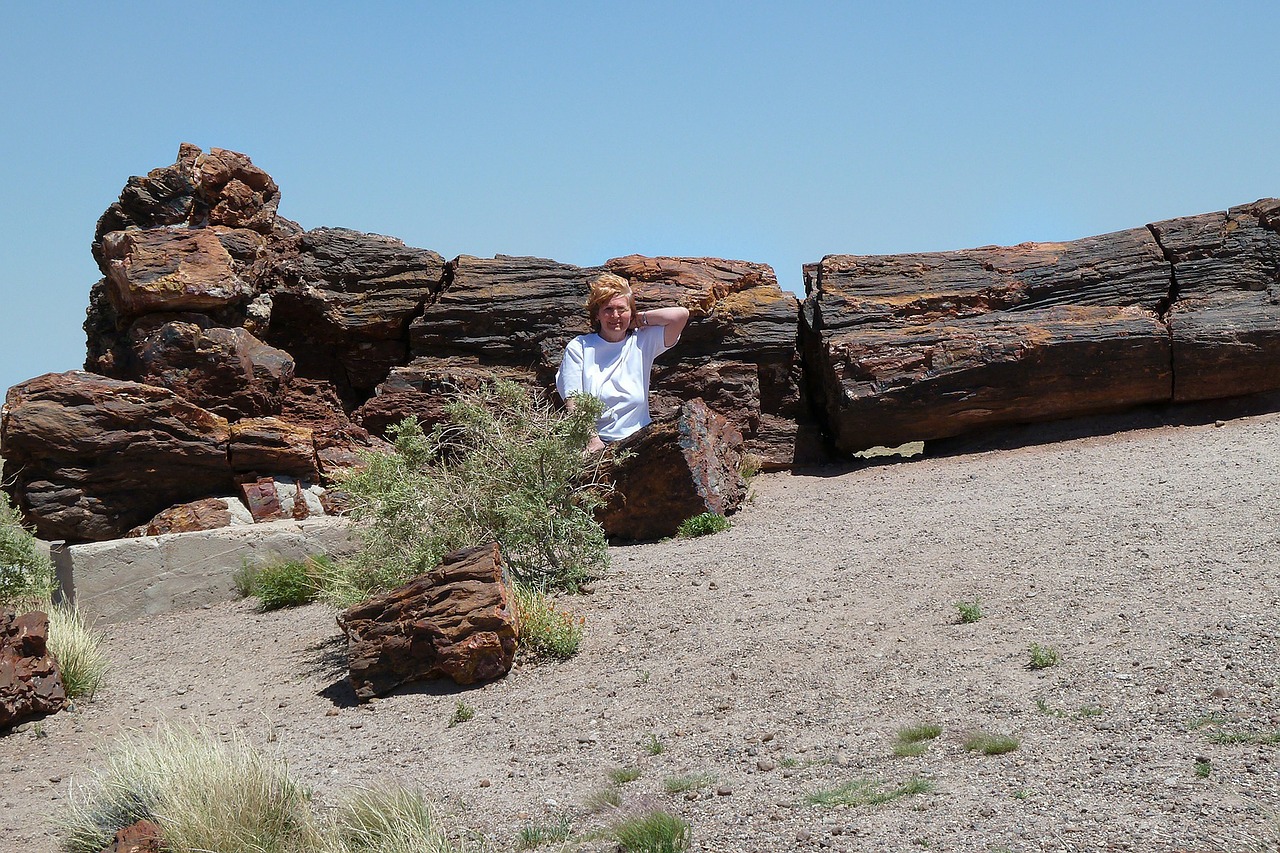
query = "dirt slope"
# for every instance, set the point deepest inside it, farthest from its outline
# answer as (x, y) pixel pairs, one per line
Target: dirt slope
(781, 658)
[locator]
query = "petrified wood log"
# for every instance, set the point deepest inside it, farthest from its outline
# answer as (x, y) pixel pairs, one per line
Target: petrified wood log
(457, 621)
(672, 470)
(94, 457)
(907, 347)
(30, 683)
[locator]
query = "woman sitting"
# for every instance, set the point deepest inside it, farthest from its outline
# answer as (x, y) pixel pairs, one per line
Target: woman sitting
(613, 363)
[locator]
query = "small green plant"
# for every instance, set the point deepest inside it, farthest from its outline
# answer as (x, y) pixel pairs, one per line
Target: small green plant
(1020, 794)
(790, 762)
(914, 740)
(462, 713)
(284, 583)
(1254, 737)
(1205, 720)
(1048, 710)
(869, 792)
(703, 525)
(655, 832)
(26, 574)
(623, 775)
(687, 782)
(546, 631)
(970, 611)
(749, 466)
(78, 649)
(1043, 657)
(1086, 711)
(652, 745)
(991, 744)
(1203, 768)
(537, 834)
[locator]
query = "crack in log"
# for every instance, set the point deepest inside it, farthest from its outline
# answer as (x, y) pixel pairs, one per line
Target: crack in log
(1164, 308)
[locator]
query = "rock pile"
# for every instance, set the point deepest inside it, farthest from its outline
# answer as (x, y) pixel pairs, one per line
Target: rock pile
(30, 682)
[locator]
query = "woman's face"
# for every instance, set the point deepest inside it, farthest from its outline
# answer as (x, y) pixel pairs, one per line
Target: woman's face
(614, 318)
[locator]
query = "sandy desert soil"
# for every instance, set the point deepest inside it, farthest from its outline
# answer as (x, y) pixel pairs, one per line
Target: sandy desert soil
(782, 657)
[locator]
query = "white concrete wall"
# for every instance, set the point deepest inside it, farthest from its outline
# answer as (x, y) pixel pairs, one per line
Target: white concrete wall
(127, 578)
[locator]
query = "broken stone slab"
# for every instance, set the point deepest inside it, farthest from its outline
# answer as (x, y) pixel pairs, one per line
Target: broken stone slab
(457, 621)
(672, 470)
(30, 682)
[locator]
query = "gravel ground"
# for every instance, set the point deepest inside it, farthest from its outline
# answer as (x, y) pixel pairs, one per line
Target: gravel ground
(781, 658)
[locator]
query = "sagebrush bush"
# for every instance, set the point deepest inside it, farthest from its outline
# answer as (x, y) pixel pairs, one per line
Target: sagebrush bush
(508, 467)
(26, 573)
(545, 629)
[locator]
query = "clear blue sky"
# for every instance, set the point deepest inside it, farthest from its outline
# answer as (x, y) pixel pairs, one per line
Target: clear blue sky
(582, 131)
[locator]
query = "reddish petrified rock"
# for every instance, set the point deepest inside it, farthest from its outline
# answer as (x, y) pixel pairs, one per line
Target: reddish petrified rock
(263, 500)
(225, 370)
(272, 446)
(204, 514)
(30, 683)
(93, 457)
(144, 836)
(315, 404)
(673, 470)
(170, 270)
(457, 621)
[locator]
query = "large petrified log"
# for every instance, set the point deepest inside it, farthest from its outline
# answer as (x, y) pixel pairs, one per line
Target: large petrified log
(907, 347)
(30, 683)
(93, 457)
(457, 621)
(674, 469)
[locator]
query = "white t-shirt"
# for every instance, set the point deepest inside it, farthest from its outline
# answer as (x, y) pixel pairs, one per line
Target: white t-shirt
(618, 374)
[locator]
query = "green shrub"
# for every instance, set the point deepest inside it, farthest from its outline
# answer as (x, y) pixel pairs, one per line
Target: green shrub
(462, 713)
(26, 573)
(703, 525)
(623, 775)
(970, 611)
(78, 649)
(284, 583)
(205, 795)
(655, 832)
(914, 740)
(1043, 657)
(509, 467)
(546, 630)
(688, 782)
(537, 834)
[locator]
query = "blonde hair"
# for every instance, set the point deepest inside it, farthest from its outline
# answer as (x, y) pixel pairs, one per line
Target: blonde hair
(605, 287)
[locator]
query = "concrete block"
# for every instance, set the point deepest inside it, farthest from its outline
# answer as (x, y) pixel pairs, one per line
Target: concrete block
(124, 579)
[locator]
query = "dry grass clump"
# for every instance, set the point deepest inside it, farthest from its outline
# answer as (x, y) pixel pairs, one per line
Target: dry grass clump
(78, 648)
(386, 820)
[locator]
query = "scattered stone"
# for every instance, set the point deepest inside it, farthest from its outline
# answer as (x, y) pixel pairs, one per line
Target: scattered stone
(143, 836)
(30, 682)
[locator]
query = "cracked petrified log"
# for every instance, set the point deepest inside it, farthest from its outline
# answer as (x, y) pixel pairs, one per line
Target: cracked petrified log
(903, 348)
(672, 470)
(30, 683)
(457, 621)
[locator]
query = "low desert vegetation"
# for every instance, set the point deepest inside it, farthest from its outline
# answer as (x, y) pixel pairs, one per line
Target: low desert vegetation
(987, 743)
(208, 794)
(653, 832)
(1043, 657)
(462, 713)
(914, 740)
(507, 467)
(703, 525)
(546, 630)
(652, 745)
(969, 611)
(623, 775)
(537, 834)
(687, 782)
(284, 583)
(27, 583)
(869, 792)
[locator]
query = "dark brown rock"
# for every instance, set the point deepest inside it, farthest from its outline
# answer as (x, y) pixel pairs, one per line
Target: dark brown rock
(672, 470)
(227, 371)
(235, 192)
(338, 441)
(272, 446)
(94, 457)
(342, 302)
(170, 270)
(457, 621)
(30, 683)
